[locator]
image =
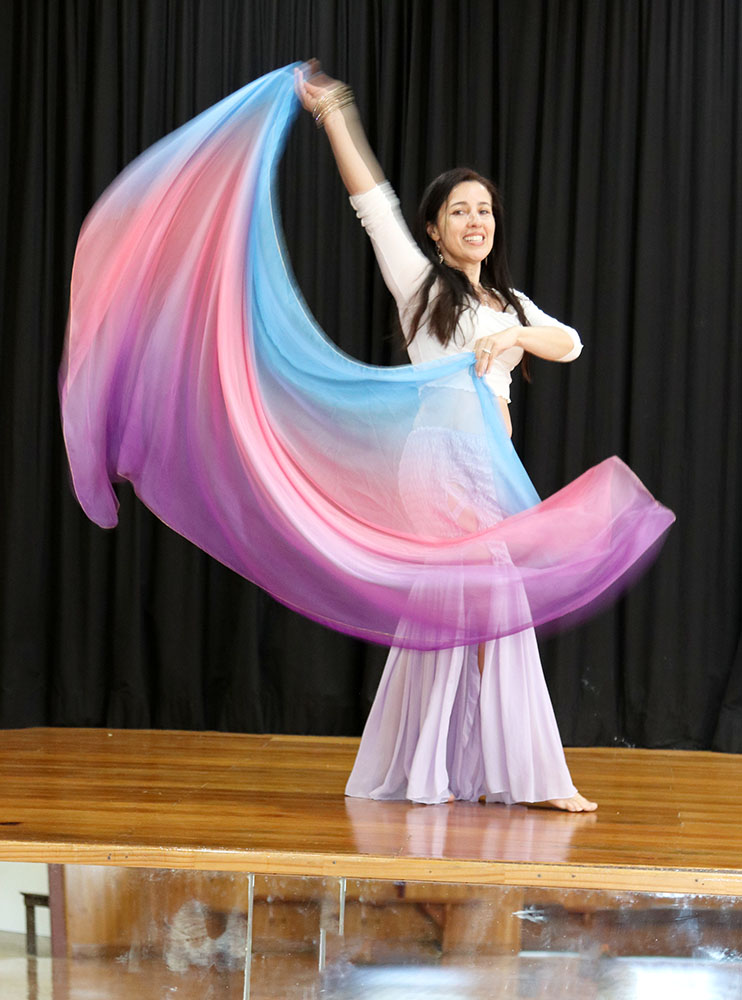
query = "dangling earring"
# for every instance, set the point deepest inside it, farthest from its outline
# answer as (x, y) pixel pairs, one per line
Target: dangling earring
(440, 255)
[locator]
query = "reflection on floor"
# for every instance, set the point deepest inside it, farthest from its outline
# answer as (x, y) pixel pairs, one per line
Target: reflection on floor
(149, 934)
(578, 979)
(14, 945)
(296, 978)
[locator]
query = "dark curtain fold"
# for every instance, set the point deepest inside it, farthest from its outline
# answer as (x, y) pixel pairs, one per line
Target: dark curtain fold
(613, 128)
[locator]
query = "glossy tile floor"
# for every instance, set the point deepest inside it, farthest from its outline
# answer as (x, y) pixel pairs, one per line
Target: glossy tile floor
(149, 934)
(525, 977)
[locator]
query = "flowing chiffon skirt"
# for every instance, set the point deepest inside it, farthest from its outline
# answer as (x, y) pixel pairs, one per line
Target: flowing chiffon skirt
(438, 730)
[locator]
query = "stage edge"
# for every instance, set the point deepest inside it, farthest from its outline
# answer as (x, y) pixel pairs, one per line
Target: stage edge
(628, 878)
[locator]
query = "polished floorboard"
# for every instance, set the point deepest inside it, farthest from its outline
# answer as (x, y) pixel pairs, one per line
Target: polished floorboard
(668, 821)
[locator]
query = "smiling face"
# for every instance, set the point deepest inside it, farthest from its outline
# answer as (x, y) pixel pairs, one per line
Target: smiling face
(465, 227)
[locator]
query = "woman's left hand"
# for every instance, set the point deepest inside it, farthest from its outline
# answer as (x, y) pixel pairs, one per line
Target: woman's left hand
(487, 348)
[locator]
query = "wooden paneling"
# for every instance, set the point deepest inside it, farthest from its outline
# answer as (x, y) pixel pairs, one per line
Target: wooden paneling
(200, 919)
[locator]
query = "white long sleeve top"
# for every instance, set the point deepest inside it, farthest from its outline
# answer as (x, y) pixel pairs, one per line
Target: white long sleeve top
(404, 267)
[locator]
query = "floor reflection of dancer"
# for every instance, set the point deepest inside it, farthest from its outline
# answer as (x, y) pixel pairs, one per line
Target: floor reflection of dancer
(469, 722)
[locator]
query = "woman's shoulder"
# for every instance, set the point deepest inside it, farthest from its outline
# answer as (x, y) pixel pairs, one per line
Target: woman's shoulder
(523, 299)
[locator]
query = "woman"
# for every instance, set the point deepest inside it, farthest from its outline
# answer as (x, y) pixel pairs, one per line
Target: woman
(470, 722)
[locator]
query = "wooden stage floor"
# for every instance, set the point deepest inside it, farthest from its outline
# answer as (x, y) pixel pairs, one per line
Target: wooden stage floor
(669, 821)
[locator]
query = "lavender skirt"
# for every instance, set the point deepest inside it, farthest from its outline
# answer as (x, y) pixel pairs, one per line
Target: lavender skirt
(437, 728)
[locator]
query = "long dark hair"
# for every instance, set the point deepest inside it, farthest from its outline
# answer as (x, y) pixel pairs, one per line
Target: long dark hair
(455, 290)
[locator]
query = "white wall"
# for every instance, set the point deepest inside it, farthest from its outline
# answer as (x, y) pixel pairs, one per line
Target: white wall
(15, 878)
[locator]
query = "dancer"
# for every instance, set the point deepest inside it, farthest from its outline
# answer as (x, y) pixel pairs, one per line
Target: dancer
(469, 722)
(387, 503)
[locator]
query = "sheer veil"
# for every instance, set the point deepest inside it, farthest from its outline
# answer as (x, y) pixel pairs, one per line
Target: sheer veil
(194, 370)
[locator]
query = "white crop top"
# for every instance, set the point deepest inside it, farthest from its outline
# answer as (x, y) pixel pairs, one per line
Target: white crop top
(404, 266)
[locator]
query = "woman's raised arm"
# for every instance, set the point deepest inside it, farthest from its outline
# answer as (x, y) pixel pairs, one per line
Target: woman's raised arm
(359, 168)
(403, 266)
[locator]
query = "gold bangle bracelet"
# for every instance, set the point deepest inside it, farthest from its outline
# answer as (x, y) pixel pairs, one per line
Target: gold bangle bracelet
(335, 99)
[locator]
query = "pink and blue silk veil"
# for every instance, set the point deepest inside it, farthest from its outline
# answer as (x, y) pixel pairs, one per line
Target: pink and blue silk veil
(193, 369)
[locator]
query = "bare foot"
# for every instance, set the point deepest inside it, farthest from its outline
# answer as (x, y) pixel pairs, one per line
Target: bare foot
(575, 804)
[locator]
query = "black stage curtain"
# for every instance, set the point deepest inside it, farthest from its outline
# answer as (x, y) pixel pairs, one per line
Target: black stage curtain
(613, 127)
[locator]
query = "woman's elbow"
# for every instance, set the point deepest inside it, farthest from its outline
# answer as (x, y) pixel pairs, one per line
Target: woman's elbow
(575, 348)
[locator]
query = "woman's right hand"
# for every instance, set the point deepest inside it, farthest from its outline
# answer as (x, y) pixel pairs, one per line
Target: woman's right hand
(311, 84)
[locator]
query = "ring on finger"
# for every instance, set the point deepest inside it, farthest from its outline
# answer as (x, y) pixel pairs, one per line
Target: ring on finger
(486, 351)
